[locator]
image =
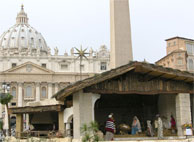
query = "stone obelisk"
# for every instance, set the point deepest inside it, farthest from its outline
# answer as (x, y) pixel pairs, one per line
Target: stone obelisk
(120, 38)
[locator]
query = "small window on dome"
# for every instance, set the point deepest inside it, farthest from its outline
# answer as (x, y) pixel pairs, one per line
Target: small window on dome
(32, 39)
(22, 37)
(22, 30)
(40, 40)
(30, 31)
(36, 32)
(8, 31)
(12, 37)
(4, 38)
(15, 30)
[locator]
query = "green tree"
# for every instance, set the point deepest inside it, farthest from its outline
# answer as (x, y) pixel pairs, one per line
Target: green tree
(90, 132)
(5, 98)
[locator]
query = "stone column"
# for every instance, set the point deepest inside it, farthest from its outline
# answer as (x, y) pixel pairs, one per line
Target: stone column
(183, 111)
(19, 125)
(56, 87)
(37, 91)
(68, 129)
(83, 109)
(20, 95)
(192, 109)
(61, 122)
(27, 121)
(1, 106)
(50, 90)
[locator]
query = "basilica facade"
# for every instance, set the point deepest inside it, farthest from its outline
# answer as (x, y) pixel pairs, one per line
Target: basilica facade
(33, 73)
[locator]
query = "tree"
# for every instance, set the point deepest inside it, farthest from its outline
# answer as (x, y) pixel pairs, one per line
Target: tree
(5, 98)
(90, 132)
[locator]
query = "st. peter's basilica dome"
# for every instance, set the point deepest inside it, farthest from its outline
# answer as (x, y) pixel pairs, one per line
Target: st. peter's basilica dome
(23, 39)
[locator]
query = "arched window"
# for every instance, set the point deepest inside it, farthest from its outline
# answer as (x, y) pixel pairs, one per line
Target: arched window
(13, 92)
(191, 66)
(43, 92)
(28, 92)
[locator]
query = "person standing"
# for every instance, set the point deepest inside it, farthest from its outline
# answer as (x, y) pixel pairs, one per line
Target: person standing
(110, 128)
(160, 128)
(173, 124)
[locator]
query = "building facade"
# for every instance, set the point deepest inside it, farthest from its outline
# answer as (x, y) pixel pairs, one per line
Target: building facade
(34, 74)
(180, 54)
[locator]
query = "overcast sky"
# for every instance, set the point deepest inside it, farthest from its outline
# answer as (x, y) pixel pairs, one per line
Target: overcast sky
(71, 23)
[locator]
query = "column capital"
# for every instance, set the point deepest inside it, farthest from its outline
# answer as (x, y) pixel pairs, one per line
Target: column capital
(37, 83)
(20, 83)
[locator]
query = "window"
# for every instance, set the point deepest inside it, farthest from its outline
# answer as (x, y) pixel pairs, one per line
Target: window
(174, 42)
(13, 65)
(168, 44)
(64, 67)
(43, 65)
(82, 67)
(103, 66)
(179, 61)
(43, 92)
(13, 104)
(189, 48)
(28, 92)
(191, 65)
(13, 92)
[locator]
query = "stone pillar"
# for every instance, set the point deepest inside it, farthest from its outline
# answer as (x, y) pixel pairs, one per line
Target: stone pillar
(19, 125)
(83, 110)
(183, 111)
(20, 95)
(1, 106)
(192, 109)
(56, 88)
(120, 37)
(6, 124)
(27, 121)
(50, 90)
(37, 91)
(68, 129)
(61, 122)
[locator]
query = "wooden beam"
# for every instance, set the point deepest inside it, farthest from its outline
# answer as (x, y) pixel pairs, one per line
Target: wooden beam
(156, 77)
(171, 78)
(153, 92)
(29, 109)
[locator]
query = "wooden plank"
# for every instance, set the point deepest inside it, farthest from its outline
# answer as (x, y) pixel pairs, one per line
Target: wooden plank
(29, 109)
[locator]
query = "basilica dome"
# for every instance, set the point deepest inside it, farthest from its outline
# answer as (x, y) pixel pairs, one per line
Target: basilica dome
(22, 38)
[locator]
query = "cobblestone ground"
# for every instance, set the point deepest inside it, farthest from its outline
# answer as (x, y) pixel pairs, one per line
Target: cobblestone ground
(12, 139)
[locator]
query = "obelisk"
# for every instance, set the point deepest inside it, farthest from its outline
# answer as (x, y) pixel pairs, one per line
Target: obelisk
(120, 30)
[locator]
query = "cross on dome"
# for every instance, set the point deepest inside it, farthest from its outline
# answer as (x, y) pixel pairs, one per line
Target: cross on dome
(22, 16)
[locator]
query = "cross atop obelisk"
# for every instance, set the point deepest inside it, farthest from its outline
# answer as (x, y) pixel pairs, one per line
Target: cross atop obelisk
(121, 46)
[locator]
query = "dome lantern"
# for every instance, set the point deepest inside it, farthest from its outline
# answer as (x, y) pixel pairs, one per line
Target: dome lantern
(22, 16)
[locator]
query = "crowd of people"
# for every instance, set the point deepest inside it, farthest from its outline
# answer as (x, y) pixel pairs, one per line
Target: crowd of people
(154, 128)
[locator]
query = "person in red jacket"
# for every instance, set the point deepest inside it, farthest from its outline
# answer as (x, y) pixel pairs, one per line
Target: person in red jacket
(173, 124)
(110, 128)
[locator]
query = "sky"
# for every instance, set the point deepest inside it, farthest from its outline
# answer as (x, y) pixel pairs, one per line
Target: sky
(72, 23)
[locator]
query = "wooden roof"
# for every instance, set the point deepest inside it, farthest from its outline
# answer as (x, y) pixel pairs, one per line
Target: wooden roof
(139, 67)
